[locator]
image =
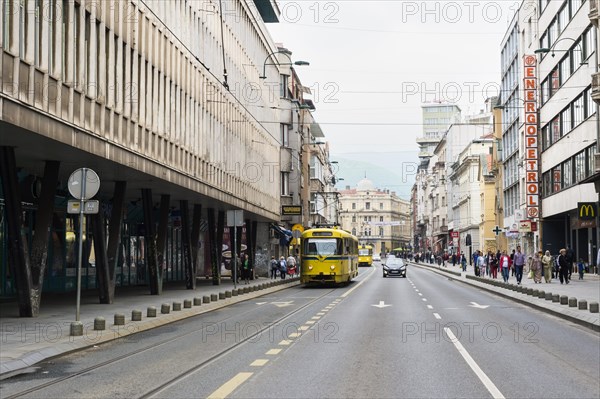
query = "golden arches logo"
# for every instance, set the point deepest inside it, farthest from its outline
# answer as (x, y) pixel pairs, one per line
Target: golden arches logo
(586, 210)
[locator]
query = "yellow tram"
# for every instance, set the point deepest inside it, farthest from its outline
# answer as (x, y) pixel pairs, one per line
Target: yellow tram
(328, 255)
(365, 255)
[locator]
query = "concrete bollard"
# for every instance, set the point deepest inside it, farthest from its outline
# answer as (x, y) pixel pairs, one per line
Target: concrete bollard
(555, 298)
(572, 302)
(76, 329)
(165, 308)
(136, 315)
(221, 296)
(119, 319)
(151, 311)
(529, 291)
(214, 297)
(594, 307)
(176, 306)
(548, 296)
(535, 293)
(197, 301)
(99, 324)
(187, 303)
(582, 305)
(205, 299)
(246, 290)
(252, 288)
(542, 294)
(227, 294)
(564, 300)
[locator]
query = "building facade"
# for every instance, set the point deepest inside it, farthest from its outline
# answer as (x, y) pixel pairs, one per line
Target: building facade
(377, 217)
(129, 89)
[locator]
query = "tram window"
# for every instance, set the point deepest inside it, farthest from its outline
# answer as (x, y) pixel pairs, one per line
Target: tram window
(323, 247)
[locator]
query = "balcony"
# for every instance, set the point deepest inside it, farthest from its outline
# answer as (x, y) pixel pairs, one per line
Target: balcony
(596, 87)
(593, 15)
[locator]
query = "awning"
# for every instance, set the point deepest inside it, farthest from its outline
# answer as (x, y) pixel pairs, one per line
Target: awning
(285, 236)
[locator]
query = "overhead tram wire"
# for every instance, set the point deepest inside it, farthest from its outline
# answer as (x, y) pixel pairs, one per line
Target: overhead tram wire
(207, 68)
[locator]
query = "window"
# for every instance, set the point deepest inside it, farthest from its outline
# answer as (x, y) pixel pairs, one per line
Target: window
(578, 111)
(353, 218)
(283, 86)
(285, 135)
(556, 179)
(381, 231)
(565, 119)
(580, 167)
(6, 23)
(381, 205)
(567, 169)
(285, 183)
(381, 218)
(354, 205)
(367, 205)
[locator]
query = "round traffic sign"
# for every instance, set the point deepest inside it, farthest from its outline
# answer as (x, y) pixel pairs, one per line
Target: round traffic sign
(82, 191)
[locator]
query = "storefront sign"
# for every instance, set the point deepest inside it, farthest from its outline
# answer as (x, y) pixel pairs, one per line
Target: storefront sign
(525, 226)
(587, 210)
(532, 183)
(291, 210)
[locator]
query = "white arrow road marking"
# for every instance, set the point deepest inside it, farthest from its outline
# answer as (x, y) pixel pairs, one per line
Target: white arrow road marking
(282, 304)
(260, 303)
(381, 305)
(478, 306)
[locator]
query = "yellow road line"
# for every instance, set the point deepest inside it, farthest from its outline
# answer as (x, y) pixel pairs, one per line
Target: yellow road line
(259, 362)
(230, 386)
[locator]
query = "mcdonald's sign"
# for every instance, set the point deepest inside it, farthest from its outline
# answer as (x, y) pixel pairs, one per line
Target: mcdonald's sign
(587, 210)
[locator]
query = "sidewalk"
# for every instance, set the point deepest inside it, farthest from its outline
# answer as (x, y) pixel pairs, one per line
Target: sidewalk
(587, 290)
(26, 341)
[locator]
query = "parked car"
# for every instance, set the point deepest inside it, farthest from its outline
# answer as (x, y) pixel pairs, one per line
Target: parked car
(394, 267)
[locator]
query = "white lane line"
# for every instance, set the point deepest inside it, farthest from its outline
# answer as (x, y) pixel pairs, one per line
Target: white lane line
(310, 322)
(420, 294)
(429, 307)
(303, 328)
(320, 314)
(316, 317)
(437, 316)
(294, 335)
(489, 385)
(230, 386)
(285, 342)
(273, 352)
(424, 299)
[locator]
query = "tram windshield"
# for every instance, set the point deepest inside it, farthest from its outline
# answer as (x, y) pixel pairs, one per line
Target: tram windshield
(323, 246)
(364, 252)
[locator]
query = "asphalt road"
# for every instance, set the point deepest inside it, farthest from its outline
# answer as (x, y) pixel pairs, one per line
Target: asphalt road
(424, 336)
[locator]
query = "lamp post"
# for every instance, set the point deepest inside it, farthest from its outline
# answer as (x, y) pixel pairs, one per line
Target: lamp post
(285, 52)
(552, 50)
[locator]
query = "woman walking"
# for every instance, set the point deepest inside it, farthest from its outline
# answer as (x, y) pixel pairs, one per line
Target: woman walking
(548, 264)
(536, 267)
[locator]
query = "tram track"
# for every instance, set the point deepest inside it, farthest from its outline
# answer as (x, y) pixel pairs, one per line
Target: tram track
(153, 392)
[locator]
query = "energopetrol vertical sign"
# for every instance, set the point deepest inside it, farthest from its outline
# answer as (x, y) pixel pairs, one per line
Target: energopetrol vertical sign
(532, 181)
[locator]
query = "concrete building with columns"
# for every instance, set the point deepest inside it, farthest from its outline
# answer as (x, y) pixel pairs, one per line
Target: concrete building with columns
(165, 102)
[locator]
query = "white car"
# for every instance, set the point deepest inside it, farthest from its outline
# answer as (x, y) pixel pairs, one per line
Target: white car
(376, 258)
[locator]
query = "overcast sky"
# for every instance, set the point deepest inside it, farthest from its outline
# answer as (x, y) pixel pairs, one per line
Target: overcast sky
(373, 63)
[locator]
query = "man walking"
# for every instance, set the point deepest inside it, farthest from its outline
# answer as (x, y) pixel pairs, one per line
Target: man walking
(563, 271)
(519, 262)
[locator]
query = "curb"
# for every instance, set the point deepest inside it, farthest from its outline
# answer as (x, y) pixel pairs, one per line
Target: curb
(111, 332)
(575, 316)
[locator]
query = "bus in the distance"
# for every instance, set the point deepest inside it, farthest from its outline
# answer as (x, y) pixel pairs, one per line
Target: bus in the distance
(365, 255)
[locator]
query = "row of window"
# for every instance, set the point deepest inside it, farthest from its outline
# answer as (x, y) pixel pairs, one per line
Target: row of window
(367, 205)
(560, 21)
(511, 200)
(576, 56)
(570, 172)
(568, 119)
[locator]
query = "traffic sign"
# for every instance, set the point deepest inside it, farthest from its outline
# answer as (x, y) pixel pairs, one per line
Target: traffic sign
(89, 207)
(497, 230)
(454, 234)
(83, 184)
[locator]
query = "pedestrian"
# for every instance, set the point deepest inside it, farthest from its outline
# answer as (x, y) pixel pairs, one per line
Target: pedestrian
(570, 257)
(548, 265)
(494, 266)
(274, 267)
(282, 267)
(480, 264)
(512, 261)
(536, 266)
(246, 269)
(519, 262)
(581, 268)
(291, 263)
(505, 262)
(463, 262)
(454, 258)
(563, 267)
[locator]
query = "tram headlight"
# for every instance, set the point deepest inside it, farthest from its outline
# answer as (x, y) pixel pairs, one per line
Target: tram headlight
(310, 267)
(332, 267)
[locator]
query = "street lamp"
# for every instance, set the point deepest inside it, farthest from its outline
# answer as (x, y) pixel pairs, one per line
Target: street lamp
(552, 50)
(285, 52)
